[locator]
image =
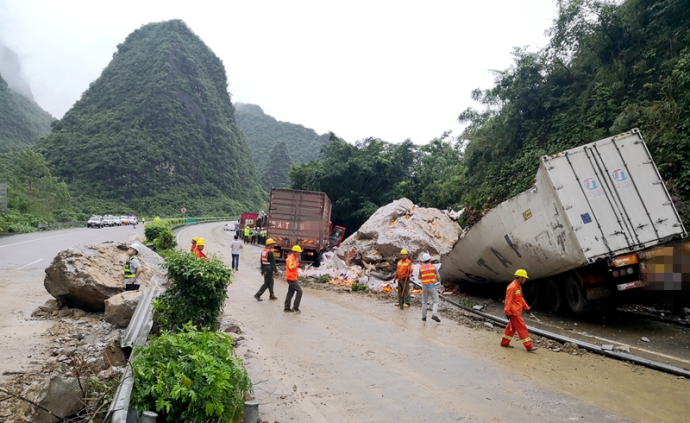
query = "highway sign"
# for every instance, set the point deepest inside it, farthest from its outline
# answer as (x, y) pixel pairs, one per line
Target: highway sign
(183, 210)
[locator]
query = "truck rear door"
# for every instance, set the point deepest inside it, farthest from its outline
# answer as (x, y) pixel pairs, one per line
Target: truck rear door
(614, 196)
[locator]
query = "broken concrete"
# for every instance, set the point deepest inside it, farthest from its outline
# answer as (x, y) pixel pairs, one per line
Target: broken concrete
(61, 395)
(119, 308)
(399, 225)
(86, 275)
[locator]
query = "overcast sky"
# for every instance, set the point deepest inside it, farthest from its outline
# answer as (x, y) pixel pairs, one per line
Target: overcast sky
(387, 69)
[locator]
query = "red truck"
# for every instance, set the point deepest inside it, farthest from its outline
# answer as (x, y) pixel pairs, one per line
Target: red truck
(302, 218)
(247, 219)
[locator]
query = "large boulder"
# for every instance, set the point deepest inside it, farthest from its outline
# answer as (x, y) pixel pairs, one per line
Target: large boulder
(61, 395)
(119, 308)
(86, 275)
(399, 225)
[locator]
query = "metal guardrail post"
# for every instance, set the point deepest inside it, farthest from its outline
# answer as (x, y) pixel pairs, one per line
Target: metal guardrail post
(251, 412)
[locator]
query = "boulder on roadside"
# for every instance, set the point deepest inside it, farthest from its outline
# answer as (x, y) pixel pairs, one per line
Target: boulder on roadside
(119, 308)
(86, 275)
(61, 395)
(399, 225)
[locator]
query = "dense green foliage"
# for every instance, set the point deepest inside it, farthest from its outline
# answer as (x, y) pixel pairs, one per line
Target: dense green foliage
(197, 292)
(159, 232)
(156, 131)
(608, 68)
(33, 195)
(276, 173)
(190, 376)
(264, 132)
(22, 121)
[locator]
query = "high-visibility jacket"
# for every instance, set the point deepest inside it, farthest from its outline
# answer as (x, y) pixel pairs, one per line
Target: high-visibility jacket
(268, 261)
(264, 256)
(291, 268)
(128, 271)
(246, 231)
(404, 269)
(515, 303)
(193, 249)
(428, 274)
(200, 254)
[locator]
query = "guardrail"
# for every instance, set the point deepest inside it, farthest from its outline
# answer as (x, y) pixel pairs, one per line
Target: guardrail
(44, 226)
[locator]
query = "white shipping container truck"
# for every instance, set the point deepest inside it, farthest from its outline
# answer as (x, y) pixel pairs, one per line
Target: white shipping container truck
(578, 229)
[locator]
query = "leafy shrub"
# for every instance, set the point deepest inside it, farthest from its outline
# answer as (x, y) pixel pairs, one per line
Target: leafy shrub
(197, 292)
(359, 287)
(190, 376)
(153, 230)
(322, 279)
(165, 241)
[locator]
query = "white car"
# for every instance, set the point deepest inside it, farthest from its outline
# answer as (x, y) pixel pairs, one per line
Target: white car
(229, 227)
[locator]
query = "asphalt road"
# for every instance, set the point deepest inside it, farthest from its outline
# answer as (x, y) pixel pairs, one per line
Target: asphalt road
(350, 358)
(23, 259)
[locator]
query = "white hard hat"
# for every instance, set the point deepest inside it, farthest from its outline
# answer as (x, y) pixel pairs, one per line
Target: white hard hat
(136, 246)
(426, 257)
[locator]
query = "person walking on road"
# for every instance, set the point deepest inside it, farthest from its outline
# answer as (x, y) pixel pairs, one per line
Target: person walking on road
(292, 276)
(143, 221)
(268, 268)
(429, 277)
(402, 275)
(514, 306)
(133, 268)
(235, 247)
(199, 252)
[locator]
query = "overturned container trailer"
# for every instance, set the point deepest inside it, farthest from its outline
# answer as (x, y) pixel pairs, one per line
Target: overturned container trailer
(583, 230)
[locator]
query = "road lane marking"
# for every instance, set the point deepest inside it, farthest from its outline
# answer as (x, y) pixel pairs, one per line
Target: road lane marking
(27, 265)
(38, 239)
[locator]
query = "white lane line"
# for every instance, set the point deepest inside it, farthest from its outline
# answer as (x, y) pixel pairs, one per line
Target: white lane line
(27, 265)
(180, 233)
(38, 239)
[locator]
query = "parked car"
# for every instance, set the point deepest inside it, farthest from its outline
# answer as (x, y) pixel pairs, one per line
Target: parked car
(95, 221)
(107, 221)
(117, 221)
(125, 220)
(229, 227)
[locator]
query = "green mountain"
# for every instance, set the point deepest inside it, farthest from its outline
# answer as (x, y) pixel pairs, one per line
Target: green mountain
(22, 121)
(276, 175)
(156, 132)
(264, 132)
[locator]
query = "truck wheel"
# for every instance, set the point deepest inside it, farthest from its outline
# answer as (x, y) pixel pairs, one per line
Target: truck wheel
(556, 297)
(532, 292)
(317, 259)
(575, 293)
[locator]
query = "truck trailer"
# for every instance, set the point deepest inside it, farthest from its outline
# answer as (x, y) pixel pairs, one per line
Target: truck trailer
(301, 218)
(584, 231)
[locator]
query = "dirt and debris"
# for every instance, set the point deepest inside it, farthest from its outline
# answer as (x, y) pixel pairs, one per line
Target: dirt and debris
(400, 224)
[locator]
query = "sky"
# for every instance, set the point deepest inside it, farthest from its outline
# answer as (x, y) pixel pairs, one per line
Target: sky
(394, 70)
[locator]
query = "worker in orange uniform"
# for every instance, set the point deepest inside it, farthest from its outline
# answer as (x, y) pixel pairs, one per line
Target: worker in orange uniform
(193, 249)
(402, 275)
(292, 276)
(515, 303)
(199, 251)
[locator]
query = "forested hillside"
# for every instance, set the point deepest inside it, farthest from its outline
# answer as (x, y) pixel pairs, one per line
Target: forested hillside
(22, 121)
(156, 131)
(607, 69)
(264, 132)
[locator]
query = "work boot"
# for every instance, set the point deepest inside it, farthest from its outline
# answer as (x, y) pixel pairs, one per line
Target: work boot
(507, 346)
(273, 298)
(288, 310)
(296, 310)
(257, 297)
(423, 319)
(435, 319)
(533, 349)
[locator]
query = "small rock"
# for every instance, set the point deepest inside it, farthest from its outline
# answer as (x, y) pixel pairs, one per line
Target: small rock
(489, 325)
(51, 360)
(77, 313)
(585, 333)
(574, 324)
(556, 350)
(623, 348)
(644, 339)
(478, 307)
(233, 329)
(607, 347)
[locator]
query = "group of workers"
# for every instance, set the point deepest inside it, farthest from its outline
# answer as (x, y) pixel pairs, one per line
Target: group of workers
(428, 275)
(197, 249)
(269, 269)
(254, 235)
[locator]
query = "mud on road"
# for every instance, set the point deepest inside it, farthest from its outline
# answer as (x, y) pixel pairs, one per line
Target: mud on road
(353, 357)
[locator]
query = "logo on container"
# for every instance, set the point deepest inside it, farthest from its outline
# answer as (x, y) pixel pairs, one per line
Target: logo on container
(619, 175)
(591, 184)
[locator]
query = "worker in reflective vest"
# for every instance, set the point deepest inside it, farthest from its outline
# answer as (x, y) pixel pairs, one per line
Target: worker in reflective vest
(292, 276)
(193, 249)
(268, 268)
(514, 306)
(429, 277)
(133, 268)
(402, 275)
(247, 234)
(199, 252)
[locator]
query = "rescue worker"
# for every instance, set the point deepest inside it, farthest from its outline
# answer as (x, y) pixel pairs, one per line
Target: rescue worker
(292, 276)
(428, 275)
(515, 303)
(199, 252)
(143, 220)
(402, 275)
(193, 249)
(133, 268)
(247, 234)
(268, 268)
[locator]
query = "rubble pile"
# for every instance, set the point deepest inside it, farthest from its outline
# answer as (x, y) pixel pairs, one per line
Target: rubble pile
(400, 224)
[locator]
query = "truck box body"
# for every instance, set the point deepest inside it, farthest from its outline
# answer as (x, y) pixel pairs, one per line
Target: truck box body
(299, 218)
(588, 204)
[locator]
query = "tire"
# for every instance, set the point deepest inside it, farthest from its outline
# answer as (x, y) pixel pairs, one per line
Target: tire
(555, 295)
(576, 295)
(317, 259)
(533, 293)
